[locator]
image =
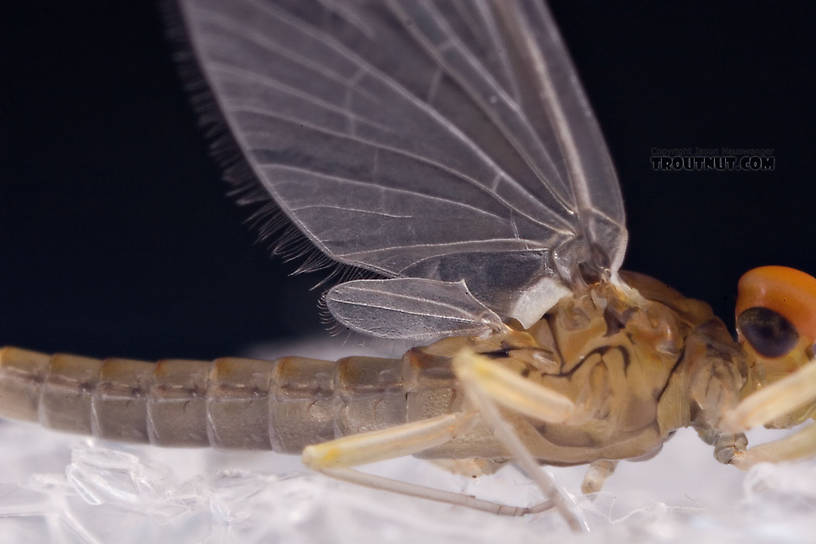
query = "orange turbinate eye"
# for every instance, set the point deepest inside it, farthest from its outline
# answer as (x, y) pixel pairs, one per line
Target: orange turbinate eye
(776, 306)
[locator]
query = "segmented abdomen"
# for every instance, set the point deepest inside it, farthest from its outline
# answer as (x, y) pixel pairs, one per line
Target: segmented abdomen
(282, 405)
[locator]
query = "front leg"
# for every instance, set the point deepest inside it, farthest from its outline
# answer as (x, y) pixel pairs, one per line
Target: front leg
(799, 445)
(777, 399)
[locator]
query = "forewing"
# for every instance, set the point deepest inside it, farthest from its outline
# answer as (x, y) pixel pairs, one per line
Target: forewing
(441, 140)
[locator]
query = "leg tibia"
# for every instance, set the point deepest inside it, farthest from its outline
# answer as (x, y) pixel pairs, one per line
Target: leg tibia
(773, 401)
(406, 439)
(799, 445)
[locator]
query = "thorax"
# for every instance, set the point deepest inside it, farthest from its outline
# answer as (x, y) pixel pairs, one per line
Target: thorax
(629, 364)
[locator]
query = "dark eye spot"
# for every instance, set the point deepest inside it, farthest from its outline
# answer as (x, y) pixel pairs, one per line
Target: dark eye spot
(770, 334)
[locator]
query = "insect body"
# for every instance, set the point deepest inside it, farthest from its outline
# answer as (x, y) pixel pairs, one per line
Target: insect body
(630, 373)
(615, 361)
(447, 148)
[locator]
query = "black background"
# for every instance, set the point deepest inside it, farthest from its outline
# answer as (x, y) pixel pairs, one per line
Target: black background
(116, 237)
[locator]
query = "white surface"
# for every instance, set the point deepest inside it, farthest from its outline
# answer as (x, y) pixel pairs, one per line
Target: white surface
(63, 488)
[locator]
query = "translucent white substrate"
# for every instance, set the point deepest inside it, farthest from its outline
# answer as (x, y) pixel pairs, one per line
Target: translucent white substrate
(62, 488)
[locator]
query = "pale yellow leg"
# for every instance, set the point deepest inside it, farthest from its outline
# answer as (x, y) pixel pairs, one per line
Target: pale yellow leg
(597, 474)
(399, 441)
(487, 384)
(799, 445)
(511, 390)
(334, 458)
(429, 493)
(472, 466)
(775, 400)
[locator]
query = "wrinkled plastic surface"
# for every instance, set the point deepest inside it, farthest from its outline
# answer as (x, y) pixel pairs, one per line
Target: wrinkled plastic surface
(63, 488)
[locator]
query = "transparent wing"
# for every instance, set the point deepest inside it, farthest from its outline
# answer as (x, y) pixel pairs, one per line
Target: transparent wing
(410, 308)
(443, 140)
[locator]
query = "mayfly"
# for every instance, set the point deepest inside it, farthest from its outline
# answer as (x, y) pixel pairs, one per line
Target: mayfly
(447, 149)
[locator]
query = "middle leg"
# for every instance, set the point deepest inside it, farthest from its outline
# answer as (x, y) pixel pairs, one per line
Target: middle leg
(336, 457)
(597, 474)
(488, 384)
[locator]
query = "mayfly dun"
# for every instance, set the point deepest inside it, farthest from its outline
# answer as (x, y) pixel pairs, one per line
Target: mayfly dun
(444, 157)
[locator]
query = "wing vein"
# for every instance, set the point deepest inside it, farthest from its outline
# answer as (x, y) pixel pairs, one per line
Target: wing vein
(276, 84)
(272, 47)
(511, 107)
(349, 209)
(439, 119)
(461, 175)
(433, 198)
